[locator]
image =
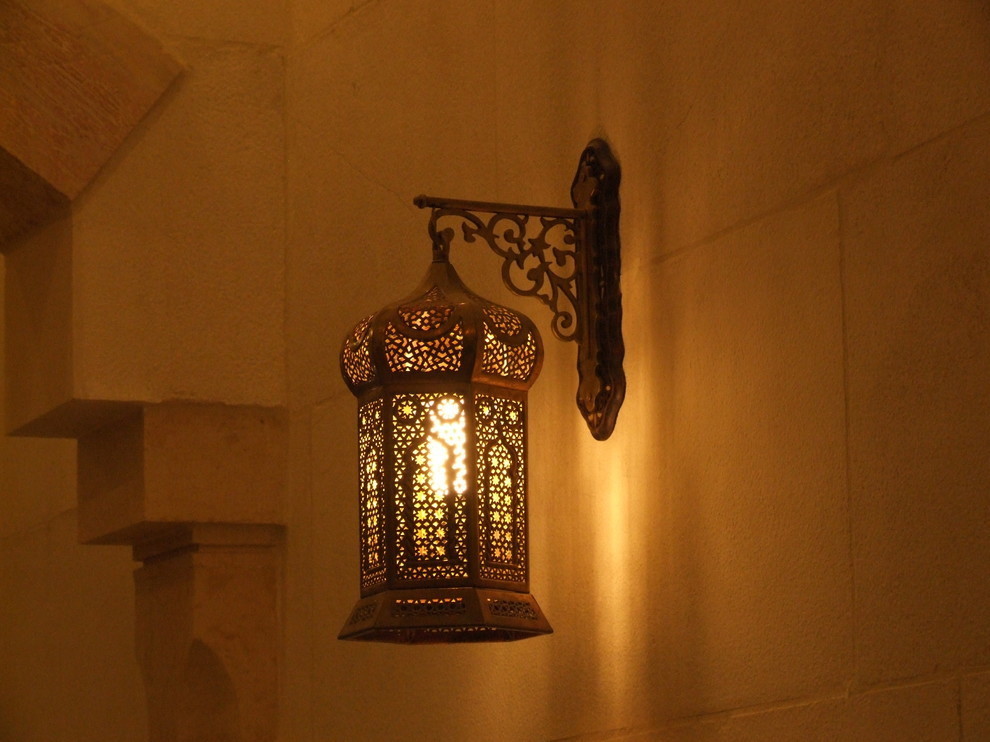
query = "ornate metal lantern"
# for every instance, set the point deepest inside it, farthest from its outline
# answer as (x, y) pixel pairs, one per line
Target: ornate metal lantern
(441, 379)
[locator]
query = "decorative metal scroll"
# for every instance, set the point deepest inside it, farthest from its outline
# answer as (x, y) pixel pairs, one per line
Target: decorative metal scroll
(568, 259)
(543, 266)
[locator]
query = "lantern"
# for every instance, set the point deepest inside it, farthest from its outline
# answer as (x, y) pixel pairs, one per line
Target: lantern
(441, 379)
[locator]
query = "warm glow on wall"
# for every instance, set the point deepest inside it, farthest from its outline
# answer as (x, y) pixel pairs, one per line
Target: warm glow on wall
(441, 379)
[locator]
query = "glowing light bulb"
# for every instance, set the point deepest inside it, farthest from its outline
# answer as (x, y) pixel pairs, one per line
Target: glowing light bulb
(448, 434)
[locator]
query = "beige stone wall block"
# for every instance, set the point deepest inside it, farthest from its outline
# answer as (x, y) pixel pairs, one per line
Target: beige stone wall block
(743, 108)
(219, 462)
(75, 418)
(262, 22)
(67, 639)
(734, 110)
(92, 643)
(76, 79)
(183, 298)
(333, 510)
(922, 713)
(164, 593)
(332, 527)
(735, 428)
(42, 397)
(935, 60)
(386, 93)
(708, 572)
(180, 463)
(917, 279)
(975, 707)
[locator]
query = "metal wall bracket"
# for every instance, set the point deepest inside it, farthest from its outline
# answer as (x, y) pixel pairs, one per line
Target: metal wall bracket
(569, 262)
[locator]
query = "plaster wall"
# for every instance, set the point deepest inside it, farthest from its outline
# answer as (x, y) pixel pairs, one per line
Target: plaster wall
(787, 536)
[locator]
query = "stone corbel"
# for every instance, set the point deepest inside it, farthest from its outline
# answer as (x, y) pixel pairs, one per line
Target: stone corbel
(206, 620)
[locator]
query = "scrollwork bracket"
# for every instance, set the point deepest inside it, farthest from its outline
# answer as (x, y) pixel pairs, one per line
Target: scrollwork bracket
(569, 261)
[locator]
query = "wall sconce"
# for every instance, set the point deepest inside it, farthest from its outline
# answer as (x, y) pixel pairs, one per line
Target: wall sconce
(441, 379)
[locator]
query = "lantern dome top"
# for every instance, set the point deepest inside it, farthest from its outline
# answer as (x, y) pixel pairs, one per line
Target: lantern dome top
(442, 330)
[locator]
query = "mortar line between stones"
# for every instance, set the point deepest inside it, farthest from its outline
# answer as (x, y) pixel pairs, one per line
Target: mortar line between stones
(960, 730)
(844, 180)
(741, 712)
(847, 455)
(332, 26)
(942, 135)
(286, 235)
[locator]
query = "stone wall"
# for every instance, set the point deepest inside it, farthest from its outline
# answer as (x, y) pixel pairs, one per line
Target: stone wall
(786, 537)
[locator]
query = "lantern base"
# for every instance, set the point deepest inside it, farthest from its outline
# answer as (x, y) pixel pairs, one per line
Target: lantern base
(445, 616)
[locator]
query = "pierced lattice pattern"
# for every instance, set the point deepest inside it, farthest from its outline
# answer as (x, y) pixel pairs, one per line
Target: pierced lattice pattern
(417, 607)
(501, 488)
(362, 613)
(426, 318)
(511, 609)
(504, 320)
(429, 434)
(454, 630)
(357, 355)
(442, 353)
(511, 361)
(500, 498)
(371, 480)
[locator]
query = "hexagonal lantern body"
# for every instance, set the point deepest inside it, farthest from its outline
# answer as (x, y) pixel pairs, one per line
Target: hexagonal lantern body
(441, 380)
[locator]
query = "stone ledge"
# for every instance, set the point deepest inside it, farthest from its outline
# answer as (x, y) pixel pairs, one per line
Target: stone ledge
(173, 538)
(173, 464)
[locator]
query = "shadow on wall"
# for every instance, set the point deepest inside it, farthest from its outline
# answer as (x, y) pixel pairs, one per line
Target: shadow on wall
(207, 703)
